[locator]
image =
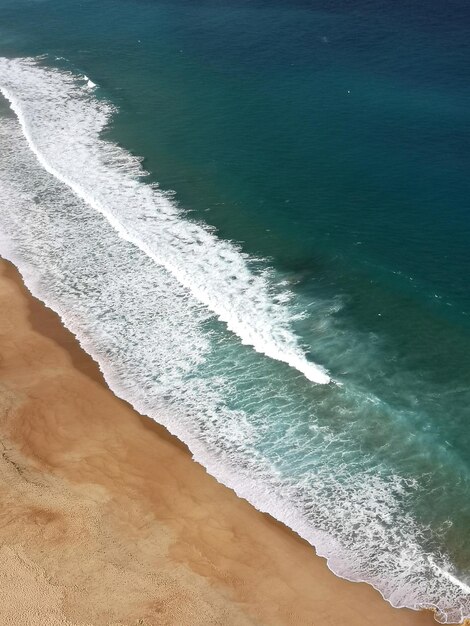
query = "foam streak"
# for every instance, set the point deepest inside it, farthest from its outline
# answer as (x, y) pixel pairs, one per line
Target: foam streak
(62, 123)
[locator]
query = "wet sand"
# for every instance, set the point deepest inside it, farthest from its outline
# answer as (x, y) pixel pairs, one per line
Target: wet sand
(105, 519)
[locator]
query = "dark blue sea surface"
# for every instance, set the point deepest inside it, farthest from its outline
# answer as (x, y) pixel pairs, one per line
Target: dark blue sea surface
(330, 142)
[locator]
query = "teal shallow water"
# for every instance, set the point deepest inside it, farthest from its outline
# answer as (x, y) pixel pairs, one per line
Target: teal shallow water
(332, 145)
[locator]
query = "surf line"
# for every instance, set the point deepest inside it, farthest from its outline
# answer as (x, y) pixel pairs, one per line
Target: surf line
(289, 353)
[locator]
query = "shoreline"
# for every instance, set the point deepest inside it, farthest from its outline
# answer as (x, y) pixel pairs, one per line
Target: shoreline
(115, 522)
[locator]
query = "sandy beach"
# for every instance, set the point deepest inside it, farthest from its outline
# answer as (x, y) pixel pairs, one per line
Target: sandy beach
(106, 520)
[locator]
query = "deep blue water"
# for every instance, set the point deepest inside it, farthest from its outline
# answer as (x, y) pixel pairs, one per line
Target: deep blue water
(332, 142)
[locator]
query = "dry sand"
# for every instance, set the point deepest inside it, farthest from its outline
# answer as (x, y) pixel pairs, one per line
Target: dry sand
(106, 519)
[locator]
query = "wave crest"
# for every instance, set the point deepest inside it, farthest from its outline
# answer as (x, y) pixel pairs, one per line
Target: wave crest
(62, 123)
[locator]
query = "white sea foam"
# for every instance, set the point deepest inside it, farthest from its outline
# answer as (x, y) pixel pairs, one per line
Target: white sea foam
(62, 125)
(149, 334)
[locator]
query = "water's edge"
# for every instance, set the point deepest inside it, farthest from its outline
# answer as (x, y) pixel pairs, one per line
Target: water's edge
(35, 292)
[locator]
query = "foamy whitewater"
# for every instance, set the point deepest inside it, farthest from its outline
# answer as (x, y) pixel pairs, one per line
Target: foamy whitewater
(144, 289)
(67, 144)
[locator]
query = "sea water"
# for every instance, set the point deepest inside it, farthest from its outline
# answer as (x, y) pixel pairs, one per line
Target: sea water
(254, 216)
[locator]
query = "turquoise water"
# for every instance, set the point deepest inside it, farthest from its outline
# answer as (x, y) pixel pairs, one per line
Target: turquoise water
(330, 145)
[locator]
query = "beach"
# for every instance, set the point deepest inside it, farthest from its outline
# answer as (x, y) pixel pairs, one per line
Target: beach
(106, 519)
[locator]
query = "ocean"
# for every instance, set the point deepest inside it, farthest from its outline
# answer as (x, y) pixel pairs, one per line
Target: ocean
(255, 216)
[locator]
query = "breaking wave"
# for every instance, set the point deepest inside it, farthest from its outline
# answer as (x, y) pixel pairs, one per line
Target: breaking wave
(62, 123)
